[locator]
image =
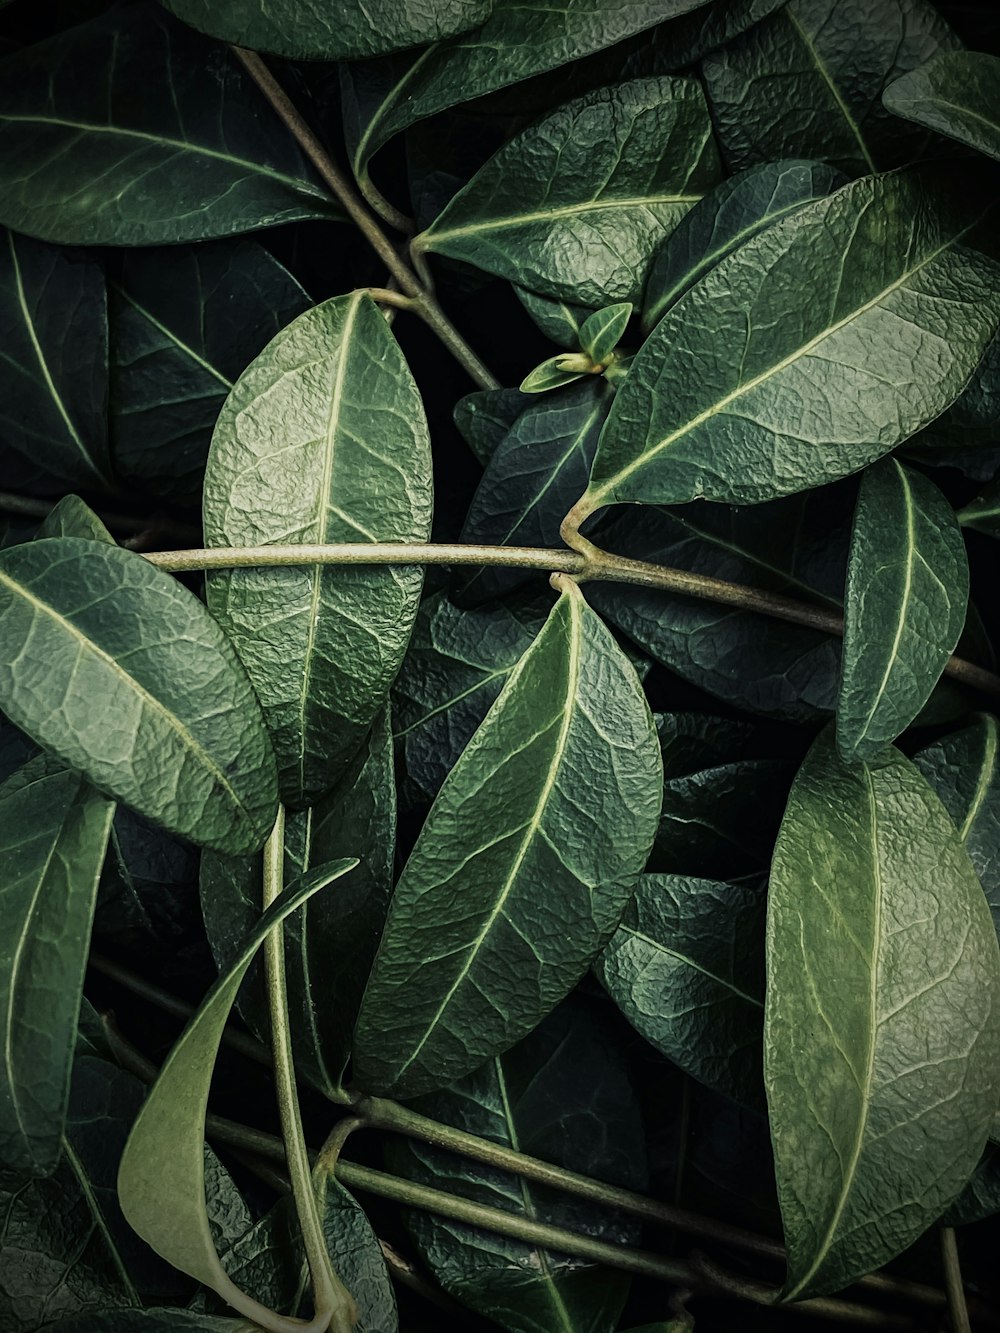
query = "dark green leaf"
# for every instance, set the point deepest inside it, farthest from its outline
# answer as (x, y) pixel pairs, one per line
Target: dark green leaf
(533, 477)
(92, 632)
(957, 94)
(905, 607)
(53, 367)
(53, 836)
(147, 901)
(733, 213)
(563, 1095)
(330, 943)
(558, 320)
(523, 867)
(601, 332)
(881, 1025)
(981, 1196)
(153, 1321)
(484, 418)
(185, 324)
(319, 30)
(575, 206)
(809, 352)
(688, 39)
(71, 517)
(983, 513)
(686, 968)
(808, 81)
(133, 130)
(323, 439)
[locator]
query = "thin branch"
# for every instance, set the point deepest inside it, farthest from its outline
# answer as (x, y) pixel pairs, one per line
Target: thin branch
(152, 525)
(958, 1311)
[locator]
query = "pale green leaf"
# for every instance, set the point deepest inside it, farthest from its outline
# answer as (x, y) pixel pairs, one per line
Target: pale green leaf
(601, 332)
(957, 94)
(549, 375)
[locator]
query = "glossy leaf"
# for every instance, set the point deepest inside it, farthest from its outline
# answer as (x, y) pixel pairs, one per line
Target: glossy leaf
(132, 130)
(731, 214)
(560, 321)
(161, 1179)
(185, 324)
(534, 475)
(330, 943)
(601, 332)
(71, 517)
(551, 374)
(53, 367)
(812, 350)
(563, 1094)
(808, 81)
(575, 206)
(484, 418)
(84, 622)
(53, 836)
(319, 30)
(882, 1020)
(957, 94)
(523, 867)
(686, 968)
(905, 608)
(323, 439)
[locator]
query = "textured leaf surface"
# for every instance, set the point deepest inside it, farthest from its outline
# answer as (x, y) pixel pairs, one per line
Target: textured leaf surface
(330, 943)
(558, 320)
(563, 1094)
(323, 439)
(53, 367)
(575, 206)
(686, 968)
(523, 867)
(905, 608)
(484, 418)
(957, 94)
(90, 632)
(71, 517)
(186, 323)
(132, 130)
(53, 836)
(812, 350)
(330, 29)
(731, 214)
(807, 82)
(881, 1021)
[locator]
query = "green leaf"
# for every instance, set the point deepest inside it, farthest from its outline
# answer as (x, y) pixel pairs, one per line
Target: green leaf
(330, 943)
(53, 367)
(534, 475)
(133, 130)
(820, 345)
(602, 331)
(983, 513)
(549, 375)
(161, 1179)
(690, 38)
(731, 214)
(686, 968)
(563, 1095)
(186, 323)
(153, 1321)
(71, 517)
(877, 928)
(323, 439)
(320, 31)
(560, 321)
(905, 608)
(957, 94)
(808, 81)
(53, 836)
(981, 1196)
(575, 206)
(484, 418)
(382, 100)
(523, 867)
(89, 631)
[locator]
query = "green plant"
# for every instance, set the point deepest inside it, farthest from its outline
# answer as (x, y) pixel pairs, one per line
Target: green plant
(578, 797)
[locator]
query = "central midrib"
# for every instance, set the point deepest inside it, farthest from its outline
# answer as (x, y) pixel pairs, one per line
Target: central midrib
(430, 237)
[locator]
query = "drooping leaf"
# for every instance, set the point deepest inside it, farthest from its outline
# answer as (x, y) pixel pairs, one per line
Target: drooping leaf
(575, 206)
(185, 323)
(686, 968)
(323, 30)
(323, 439)
(808, 353)
(161, 1178)
(133, 130)
(731, 214)
(905, 607)
(484, 418)
(380, 100)
(523, 867)
(562, 1094)
(536, 472)
(808, 81)
(71, 517)
(956, 93)
(882, 1019)
(330, 943)
(53, 836)
(92, 633)
(53, 367)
